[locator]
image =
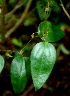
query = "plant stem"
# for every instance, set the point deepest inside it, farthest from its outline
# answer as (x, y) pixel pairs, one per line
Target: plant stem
(3, 21)
(61, 1)
(22, 50)
(48, 7)
(45, 21)
(46, 14)
(65, 11)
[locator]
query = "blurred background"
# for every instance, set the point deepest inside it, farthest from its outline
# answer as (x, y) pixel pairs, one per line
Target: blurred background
(20, 19)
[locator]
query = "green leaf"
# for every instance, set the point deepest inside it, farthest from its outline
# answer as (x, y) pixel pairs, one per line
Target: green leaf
(0, 1)
(29, 21)
(17, 53)
(43, 58)
(12, 1)
(52, 34)
(41, 10)
(17, 43)
(19, 73)
(28, 67)
(1, 63)
(55, 7)
(7, 54)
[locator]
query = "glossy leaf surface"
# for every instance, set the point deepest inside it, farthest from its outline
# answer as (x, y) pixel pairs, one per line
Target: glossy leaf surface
(1, 63)
(18, 73)
(51, 33)
(43, 58)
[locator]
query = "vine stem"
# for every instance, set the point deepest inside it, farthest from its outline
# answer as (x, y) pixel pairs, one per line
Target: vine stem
(65, 11)
(46, 14)
(61, 1)
(45, 21)
(22, 50)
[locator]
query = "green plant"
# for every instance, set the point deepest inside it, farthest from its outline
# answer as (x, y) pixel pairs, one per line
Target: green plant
(41, 61)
